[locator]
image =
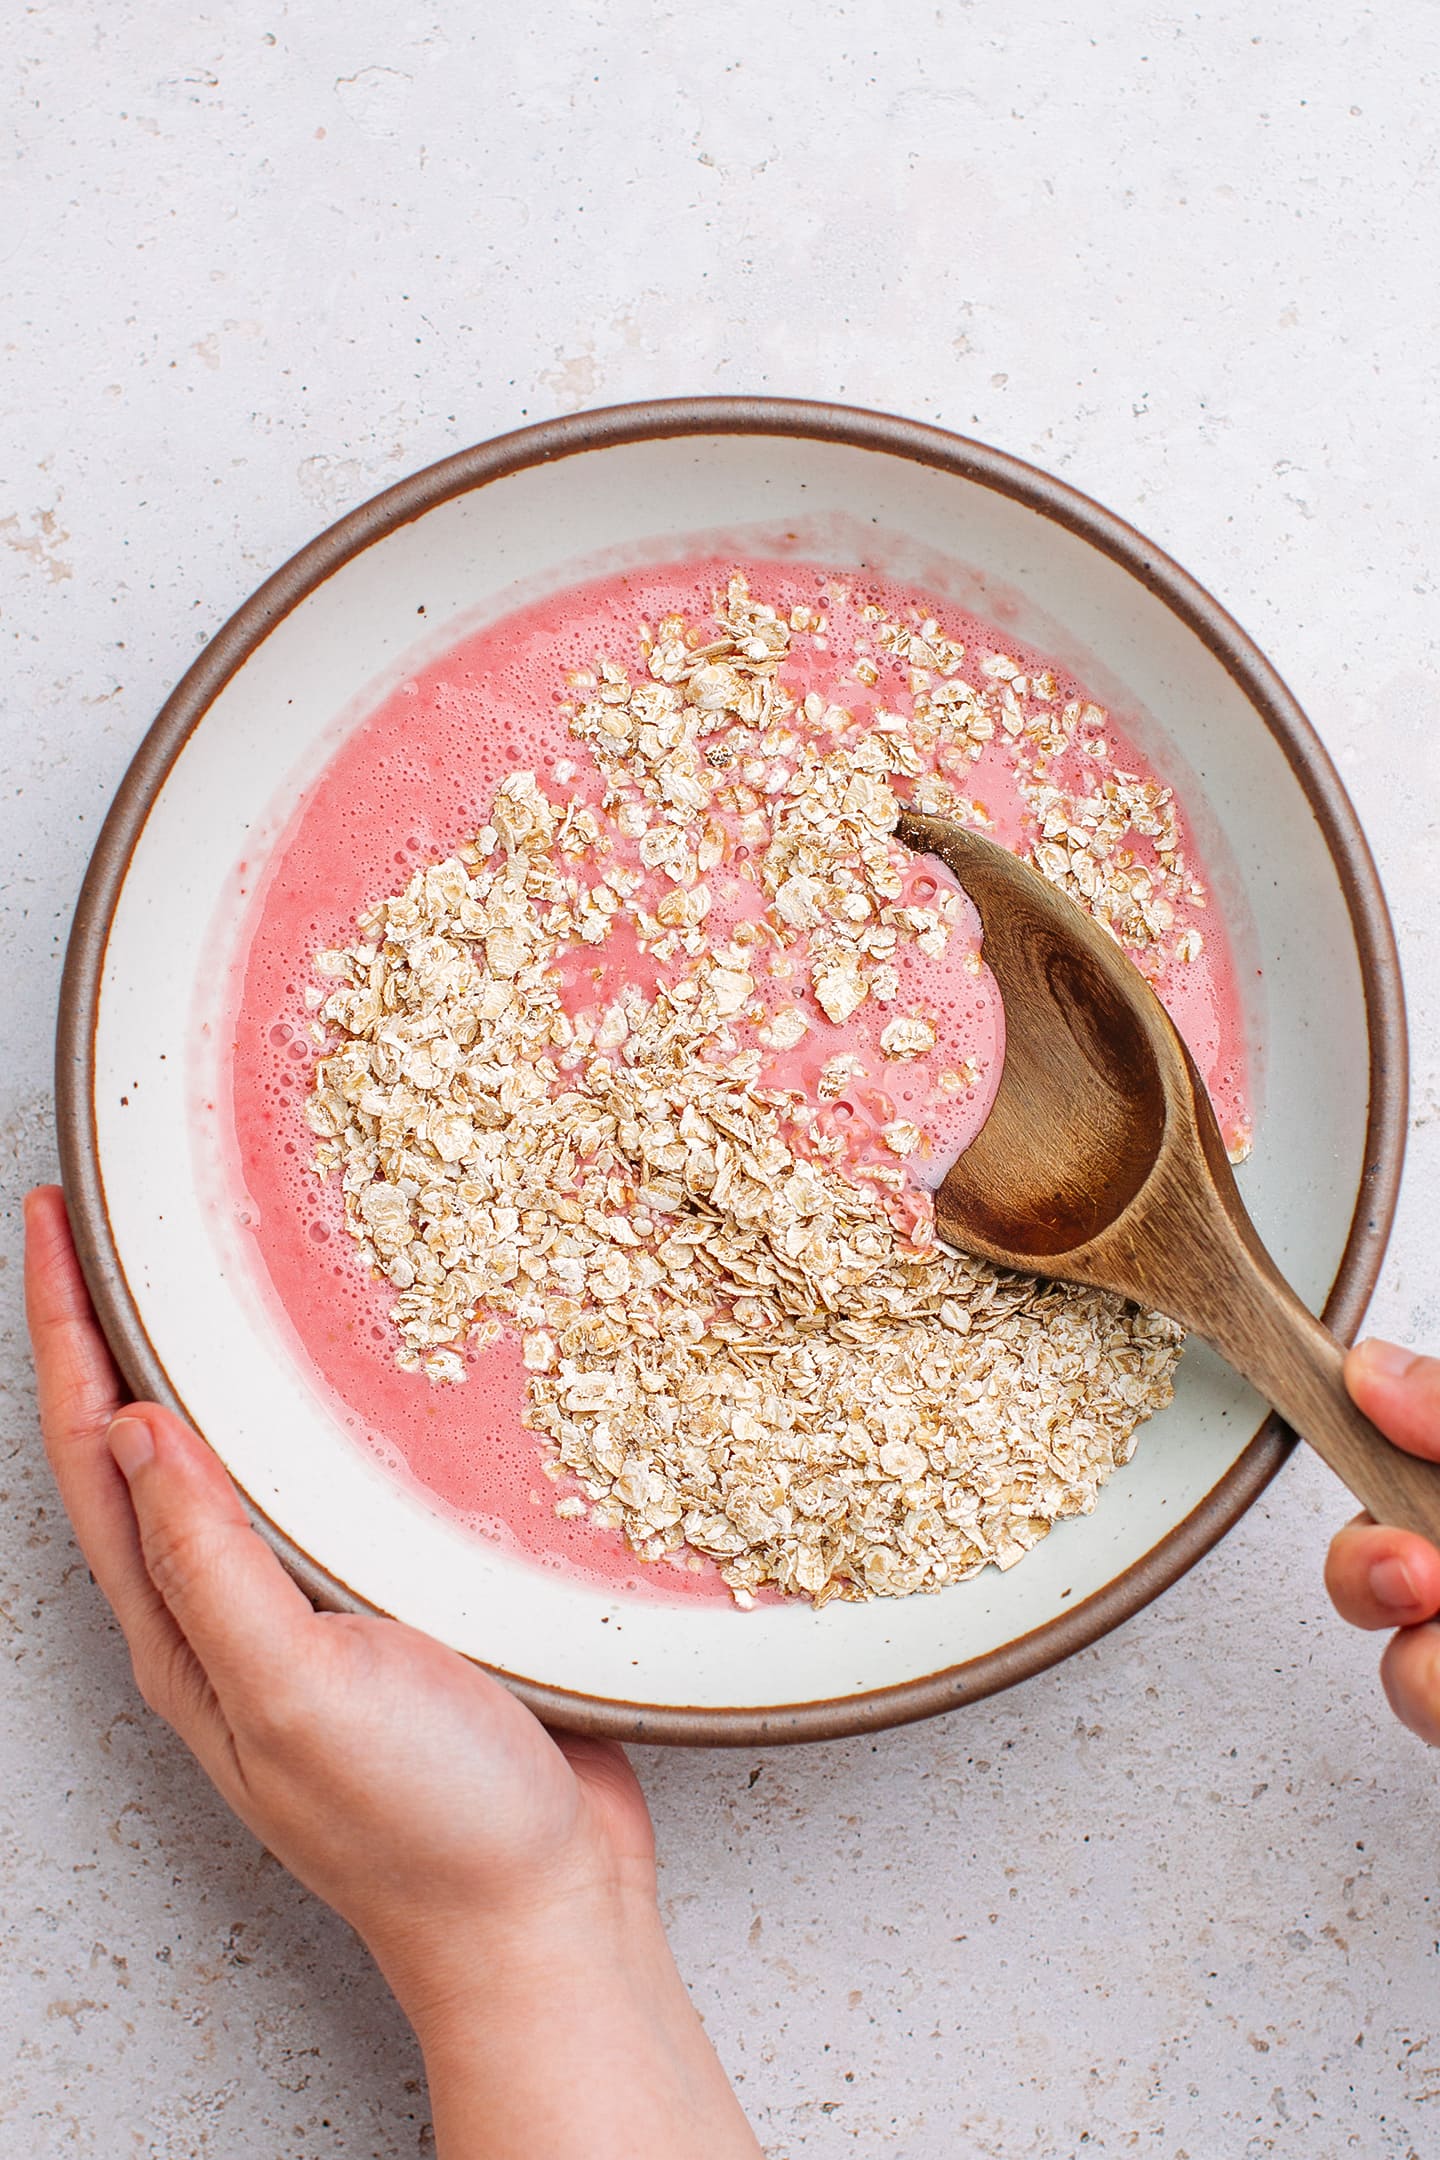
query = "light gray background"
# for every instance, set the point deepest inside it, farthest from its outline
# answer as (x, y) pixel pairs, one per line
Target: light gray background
(1178, 1898)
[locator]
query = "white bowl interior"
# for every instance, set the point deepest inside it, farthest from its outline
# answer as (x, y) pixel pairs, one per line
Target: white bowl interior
(233, 789)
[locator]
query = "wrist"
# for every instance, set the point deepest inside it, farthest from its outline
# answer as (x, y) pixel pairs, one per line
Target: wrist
(570, 2032)
(469, 1985)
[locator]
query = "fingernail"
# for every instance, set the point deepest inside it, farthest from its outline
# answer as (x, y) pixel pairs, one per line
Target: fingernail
(131, 1443)
(1387, 1360)
(1392, 1584)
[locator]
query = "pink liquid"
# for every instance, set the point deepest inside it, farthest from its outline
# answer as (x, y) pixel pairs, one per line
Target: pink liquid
(415, 780)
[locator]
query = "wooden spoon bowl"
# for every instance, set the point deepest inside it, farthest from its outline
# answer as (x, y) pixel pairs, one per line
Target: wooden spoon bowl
(1101, 1163)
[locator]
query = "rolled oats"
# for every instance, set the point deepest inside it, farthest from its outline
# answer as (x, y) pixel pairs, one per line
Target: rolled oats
(732, 1346)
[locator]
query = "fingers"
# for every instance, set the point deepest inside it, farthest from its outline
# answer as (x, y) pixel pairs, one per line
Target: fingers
(1382, 1578)
(1399, 1392)
(208, 1612)
(249, 1627)
(1410, 1670)
(79, 1391)
(76, 1376)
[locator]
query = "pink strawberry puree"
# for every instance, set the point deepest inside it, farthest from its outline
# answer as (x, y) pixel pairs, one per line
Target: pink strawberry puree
(413, 781)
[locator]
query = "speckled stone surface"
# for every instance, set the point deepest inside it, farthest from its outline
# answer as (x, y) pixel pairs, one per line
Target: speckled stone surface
(1178, 1897)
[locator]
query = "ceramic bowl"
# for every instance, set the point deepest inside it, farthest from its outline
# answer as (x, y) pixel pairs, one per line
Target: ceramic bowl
(386, 589)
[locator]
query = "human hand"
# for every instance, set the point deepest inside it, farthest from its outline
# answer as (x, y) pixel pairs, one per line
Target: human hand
(502, 1878)
(1383, 1578)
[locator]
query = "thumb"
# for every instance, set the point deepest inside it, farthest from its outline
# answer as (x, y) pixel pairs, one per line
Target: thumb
(228, 1594)
(1399, 1391)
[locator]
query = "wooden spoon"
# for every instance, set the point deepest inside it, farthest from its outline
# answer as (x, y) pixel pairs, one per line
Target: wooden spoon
(1101, 1163)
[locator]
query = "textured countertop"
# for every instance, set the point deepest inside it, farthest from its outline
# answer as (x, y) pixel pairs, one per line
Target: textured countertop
(1176, 1898)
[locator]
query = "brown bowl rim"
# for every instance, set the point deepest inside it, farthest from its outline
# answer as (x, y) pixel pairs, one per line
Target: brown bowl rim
(462, 473)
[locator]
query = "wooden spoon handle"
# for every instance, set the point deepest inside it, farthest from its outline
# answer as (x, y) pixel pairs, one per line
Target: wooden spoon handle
(1257, 1323)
